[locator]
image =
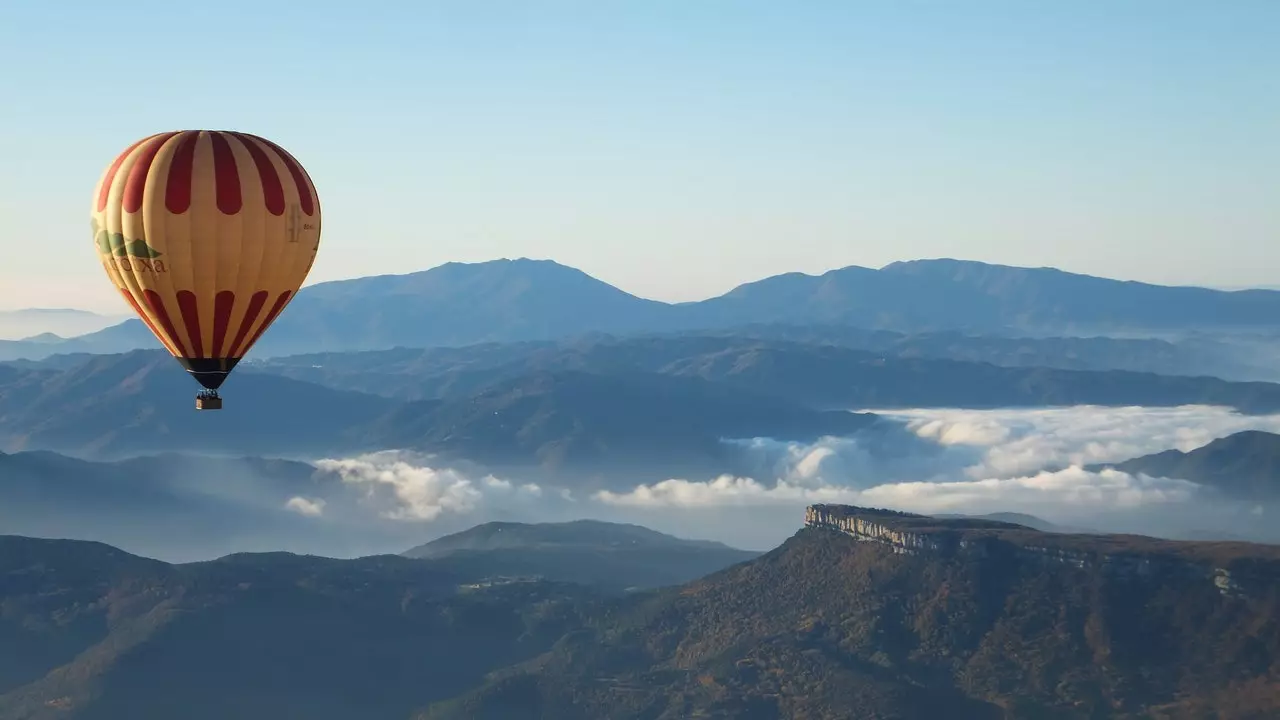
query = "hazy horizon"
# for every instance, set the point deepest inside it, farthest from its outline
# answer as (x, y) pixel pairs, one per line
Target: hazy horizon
(119, 314)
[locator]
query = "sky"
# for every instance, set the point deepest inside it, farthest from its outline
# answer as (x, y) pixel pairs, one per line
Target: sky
(675, 148)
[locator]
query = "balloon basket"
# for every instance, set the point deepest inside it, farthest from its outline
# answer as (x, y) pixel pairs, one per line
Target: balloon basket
(208, 401)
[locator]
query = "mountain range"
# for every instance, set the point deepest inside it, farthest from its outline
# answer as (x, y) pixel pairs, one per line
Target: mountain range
(518, 300)
(639, 409)
(819, 375)
(663, 404)
(1244, 465)
(579, 534)
(116, 405)
(51, 325)
(113, 406)
(897, 615)
(609, 556)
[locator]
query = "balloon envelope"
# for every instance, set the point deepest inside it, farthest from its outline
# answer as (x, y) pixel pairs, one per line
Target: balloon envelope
(208, 235)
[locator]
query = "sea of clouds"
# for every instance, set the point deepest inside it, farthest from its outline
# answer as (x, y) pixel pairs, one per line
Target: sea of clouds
(926, 460)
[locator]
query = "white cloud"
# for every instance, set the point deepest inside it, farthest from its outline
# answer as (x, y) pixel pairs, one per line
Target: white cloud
(929, 461)
(724, 490)
(1026, 440)
(1071, 488)
(306, 506)
(1027, 460)
(419, 492)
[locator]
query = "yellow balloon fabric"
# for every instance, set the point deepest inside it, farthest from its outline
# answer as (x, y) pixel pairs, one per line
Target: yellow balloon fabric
(208, 235)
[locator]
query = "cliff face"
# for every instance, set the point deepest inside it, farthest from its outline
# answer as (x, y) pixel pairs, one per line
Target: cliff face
(869, 525)
(1232, 568)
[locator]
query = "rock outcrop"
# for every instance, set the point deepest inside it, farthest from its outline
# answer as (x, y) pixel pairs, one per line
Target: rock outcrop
(869, 525)
(1235, 569)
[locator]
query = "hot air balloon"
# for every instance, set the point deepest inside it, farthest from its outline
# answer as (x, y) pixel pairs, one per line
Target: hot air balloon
(208, 235)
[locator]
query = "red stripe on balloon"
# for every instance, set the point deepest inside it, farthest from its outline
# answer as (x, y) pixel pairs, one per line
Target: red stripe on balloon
(271, 316)
(272, 190)
(299, 178)
(250, 314)
(156, 303)
(135, 186)
(190, 309)
(143, 316)
(105, 191)
(177, 193)
(226, 176)
(223, 303)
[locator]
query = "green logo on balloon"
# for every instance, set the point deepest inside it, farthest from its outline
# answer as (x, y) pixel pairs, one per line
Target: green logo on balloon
(117, 245)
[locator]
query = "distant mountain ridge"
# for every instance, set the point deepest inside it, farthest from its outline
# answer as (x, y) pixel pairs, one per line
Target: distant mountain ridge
(117, 405)
(606, 421)
(1244, 465)
(124, 336)
(52, 323)
(552, 406)
(824, 376)
(576, 533)
(1193, 357)
(113, 406)
(608, 555)
(515, 300)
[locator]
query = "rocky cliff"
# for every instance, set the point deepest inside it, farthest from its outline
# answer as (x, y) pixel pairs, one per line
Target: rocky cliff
(1233, 568)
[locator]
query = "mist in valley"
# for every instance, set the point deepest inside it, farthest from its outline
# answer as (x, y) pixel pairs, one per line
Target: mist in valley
(931, 461)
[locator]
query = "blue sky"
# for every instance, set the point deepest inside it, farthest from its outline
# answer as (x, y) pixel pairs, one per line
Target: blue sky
(676, 149)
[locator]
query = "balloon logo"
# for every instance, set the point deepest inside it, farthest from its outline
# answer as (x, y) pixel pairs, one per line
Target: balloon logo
(208, 235)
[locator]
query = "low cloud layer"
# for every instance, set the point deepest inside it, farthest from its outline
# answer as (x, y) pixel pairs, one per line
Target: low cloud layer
(1072, 490)
(930, 461)
(407, 489)
(927, 460)
(305, 506)
(972, 461)
(1023, 441)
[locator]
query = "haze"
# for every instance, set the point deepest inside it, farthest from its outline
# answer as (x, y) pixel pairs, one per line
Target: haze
(677, 149)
